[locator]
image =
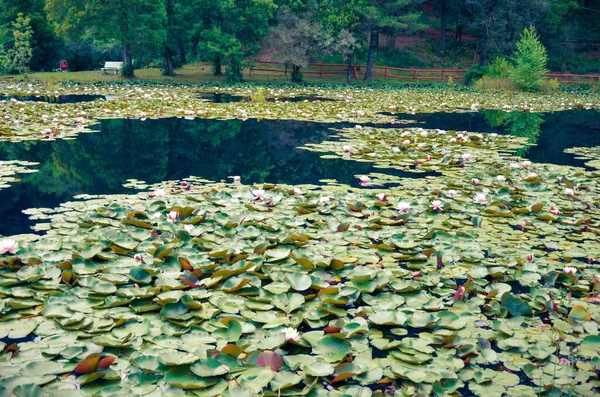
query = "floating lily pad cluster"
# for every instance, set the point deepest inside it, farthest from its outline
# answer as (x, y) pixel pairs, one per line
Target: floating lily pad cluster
(8, 170)
(213, 289)
(586, 153)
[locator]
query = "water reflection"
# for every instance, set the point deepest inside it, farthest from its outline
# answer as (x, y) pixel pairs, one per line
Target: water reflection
(166, 149)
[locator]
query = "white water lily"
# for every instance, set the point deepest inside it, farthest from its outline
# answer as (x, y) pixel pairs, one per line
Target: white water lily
(291, 335)
(259, 194)
(381, 196)
(437, 205)
(324, 200)
(8, 245)
(452, 193)
(527, 163)
(172, 216)
(297, 191)
(569, 192)
(189, 228)
(466, 156)
(479, 198)
(404, 206)
(570, 269)
(501, 178)
(160, 193)
(237, 179)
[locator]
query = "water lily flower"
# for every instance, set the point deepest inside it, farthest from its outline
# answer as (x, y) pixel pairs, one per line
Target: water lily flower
(570, 270)
(466, 156)
(474, 181)
(348, 149)
(405, 134)
(172, 216)
(138, 257)
(160, 193)
(514, 165)
(529, 257)
(358, 127)
(501, 178)
(404, 206)
(569, 192)
(189, 228)
(474, 106)
(406, 141)
(364, 180)
(437, 205)
(428, 158)
(451, 193)
(381, 196)
(533, 175)
(297, 191)
(291, 335)
(452, 140)
(479, 198)
(396, 149)
(8, 245)
(559, 179)
(259, 194)
(244, 116)
(555, 211)
(527, 163)
(324, 200)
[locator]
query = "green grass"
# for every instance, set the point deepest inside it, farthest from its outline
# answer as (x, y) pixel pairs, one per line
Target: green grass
(201, 73)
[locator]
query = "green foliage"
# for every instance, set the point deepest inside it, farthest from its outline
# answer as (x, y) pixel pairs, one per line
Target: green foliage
(218, 47)
(530, 58)
(19, 57)
(550, 86)
(500, 67)
(474, 74)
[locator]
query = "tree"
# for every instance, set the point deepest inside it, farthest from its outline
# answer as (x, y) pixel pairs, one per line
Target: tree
(296, 39)
(19, 57)
(378, 14)
(530, 58)
(137, 25)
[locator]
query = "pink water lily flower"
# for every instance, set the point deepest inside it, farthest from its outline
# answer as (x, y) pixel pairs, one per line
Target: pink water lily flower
(570, 270)
(364, 180)
(452, 193)
(381, 196)
(474, 181)
(527, 163)
(138, 257)
(297, 191)
(467, 157)
(348, 149)
(8, 245)
(529, 257)
(160, 193)
(437, 205)
(501, 178)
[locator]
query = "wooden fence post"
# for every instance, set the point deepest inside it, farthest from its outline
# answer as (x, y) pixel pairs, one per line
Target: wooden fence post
(249, 70)
(321, 70)
(442, 74)
(414, 74)
(285, 71)
(385, 73)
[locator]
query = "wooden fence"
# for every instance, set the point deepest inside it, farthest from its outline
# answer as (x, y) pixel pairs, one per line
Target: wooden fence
(324, 69)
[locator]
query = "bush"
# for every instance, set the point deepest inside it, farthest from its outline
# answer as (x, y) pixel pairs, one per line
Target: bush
(127, 70)
(550, 86)
(474, 74)
(496, 84)
(530, 60)
(499, 68)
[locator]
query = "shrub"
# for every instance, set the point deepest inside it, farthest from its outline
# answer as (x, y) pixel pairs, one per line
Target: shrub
(550, 86)
(499, 68)
(530, 59)
(496, 84)
(474, 74)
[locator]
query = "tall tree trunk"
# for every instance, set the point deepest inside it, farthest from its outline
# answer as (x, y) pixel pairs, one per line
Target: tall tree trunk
(444, 11)
(373, 46)
(169, 62)
(217, 66)
(127, 70)
(483, 49)
(181, 49)
(296, 73)
(348, 68)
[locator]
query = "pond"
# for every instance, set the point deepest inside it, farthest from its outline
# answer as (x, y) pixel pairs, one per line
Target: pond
(228, 98)
(169, 149)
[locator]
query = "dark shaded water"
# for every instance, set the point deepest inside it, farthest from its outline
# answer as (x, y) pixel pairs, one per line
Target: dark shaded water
(166, 149)
(60, 99)
(551, 133)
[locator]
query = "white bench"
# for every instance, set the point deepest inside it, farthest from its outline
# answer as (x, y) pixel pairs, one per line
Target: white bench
(112, 67)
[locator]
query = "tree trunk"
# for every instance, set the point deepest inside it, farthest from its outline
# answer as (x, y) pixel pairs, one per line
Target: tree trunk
(169, 62)
(127, 70)
(348, 68)
(444, 12)
(217, 66)
(483, 49)
(296, 73)
(373, 46)
(181, 49)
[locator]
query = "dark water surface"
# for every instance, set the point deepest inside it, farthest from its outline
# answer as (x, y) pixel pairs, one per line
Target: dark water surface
(167, 149)
(60, 99)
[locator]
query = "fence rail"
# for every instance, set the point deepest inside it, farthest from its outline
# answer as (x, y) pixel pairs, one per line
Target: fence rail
(324, 69)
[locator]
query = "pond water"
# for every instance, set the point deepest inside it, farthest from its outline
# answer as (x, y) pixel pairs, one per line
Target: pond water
(168, 149)
(265, 151)
(60, 99)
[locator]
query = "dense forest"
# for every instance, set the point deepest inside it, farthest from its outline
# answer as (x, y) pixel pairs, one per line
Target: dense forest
(231, 33)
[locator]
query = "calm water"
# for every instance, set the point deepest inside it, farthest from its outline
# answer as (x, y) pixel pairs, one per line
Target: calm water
(60, 99)
(265, 151)
(166, 149)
